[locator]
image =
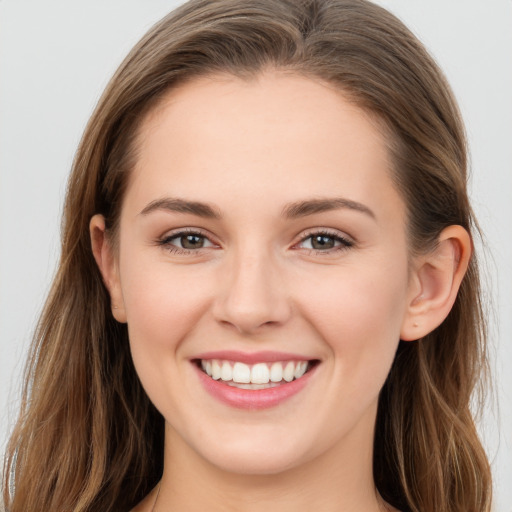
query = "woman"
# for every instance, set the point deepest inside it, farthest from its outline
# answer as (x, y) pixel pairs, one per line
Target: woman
(267, 296)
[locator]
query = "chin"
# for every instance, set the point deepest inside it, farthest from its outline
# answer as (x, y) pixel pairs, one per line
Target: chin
(254, 456)
(255, 464)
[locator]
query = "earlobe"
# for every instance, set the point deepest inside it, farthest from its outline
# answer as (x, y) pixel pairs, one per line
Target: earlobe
(435, 283)
(107, 264)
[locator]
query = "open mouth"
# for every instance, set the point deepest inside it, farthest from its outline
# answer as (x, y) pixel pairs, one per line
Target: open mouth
(261, 375)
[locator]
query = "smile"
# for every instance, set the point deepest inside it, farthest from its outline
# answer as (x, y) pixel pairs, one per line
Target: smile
(256, 376)
(257, 381)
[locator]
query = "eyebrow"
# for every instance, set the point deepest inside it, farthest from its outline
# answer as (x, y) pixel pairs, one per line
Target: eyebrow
(312, 206)
(290, 211)
(182, 206)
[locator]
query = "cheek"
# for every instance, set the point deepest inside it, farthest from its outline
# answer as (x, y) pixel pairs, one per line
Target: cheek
(359, 320)
(359, 315)
(163, 303)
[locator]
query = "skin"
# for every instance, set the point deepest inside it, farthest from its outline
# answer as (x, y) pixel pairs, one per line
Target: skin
(250, 149)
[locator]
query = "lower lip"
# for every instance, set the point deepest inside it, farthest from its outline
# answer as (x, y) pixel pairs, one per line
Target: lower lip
(253, 398)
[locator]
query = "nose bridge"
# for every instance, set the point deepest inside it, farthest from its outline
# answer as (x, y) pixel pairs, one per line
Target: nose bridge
(252, 291)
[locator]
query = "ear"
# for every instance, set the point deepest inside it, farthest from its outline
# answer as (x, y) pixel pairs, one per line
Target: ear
(108, 265)
(435, 282)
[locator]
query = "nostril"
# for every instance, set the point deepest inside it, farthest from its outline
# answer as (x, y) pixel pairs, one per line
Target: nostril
(251, 300)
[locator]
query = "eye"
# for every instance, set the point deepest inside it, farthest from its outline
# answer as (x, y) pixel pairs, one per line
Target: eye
(324, 242)
(187, 241)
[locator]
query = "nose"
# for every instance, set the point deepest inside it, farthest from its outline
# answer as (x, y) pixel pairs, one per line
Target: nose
(252, 294)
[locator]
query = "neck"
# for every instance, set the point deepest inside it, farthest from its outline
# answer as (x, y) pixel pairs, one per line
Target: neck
(338, 480)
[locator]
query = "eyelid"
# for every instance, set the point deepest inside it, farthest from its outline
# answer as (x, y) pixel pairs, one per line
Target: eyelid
(165, 239)
(346, 240)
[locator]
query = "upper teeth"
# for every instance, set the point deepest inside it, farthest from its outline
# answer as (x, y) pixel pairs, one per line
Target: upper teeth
(260, 373)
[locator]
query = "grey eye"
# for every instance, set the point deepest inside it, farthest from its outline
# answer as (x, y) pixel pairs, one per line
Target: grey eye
(188, 241)
(322, 242)
(192, 241)
(325, 242)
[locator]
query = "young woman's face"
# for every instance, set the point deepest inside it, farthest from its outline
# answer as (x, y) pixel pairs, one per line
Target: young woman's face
(261, 236)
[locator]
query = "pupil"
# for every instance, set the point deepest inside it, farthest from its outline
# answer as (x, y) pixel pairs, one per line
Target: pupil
(192, 242)
(322, 242)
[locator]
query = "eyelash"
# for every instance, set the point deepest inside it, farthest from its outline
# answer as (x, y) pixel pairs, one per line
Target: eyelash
(166, 241)
(344, 243)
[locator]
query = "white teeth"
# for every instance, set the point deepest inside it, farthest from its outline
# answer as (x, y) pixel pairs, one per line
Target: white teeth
(258, 376)
(207, 367)
(226, 372)
(253, 386)
(215, 370)
(288, 372)
(300, 369)
(241, 373)
(276, 372)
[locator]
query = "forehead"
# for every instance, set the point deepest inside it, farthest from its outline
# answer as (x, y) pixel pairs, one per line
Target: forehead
(278, 133)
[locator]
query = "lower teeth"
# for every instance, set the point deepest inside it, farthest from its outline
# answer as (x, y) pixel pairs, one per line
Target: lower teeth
(252, 386)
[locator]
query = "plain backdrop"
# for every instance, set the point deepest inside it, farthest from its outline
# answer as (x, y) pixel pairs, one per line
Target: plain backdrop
(56, 56)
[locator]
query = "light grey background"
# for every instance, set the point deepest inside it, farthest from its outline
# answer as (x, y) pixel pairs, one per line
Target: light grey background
(56, 56)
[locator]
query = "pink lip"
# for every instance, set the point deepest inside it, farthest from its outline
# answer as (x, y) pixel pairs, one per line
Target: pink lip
(252, 358)
(253, 398)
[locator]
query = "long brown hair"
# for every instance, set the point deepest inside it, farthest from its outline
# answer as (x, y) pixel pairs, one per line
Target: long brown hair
(88, 438)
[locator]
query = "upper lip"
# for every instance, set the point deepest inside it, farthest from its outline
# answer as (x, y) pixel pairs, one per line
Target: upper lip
(265, 356)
